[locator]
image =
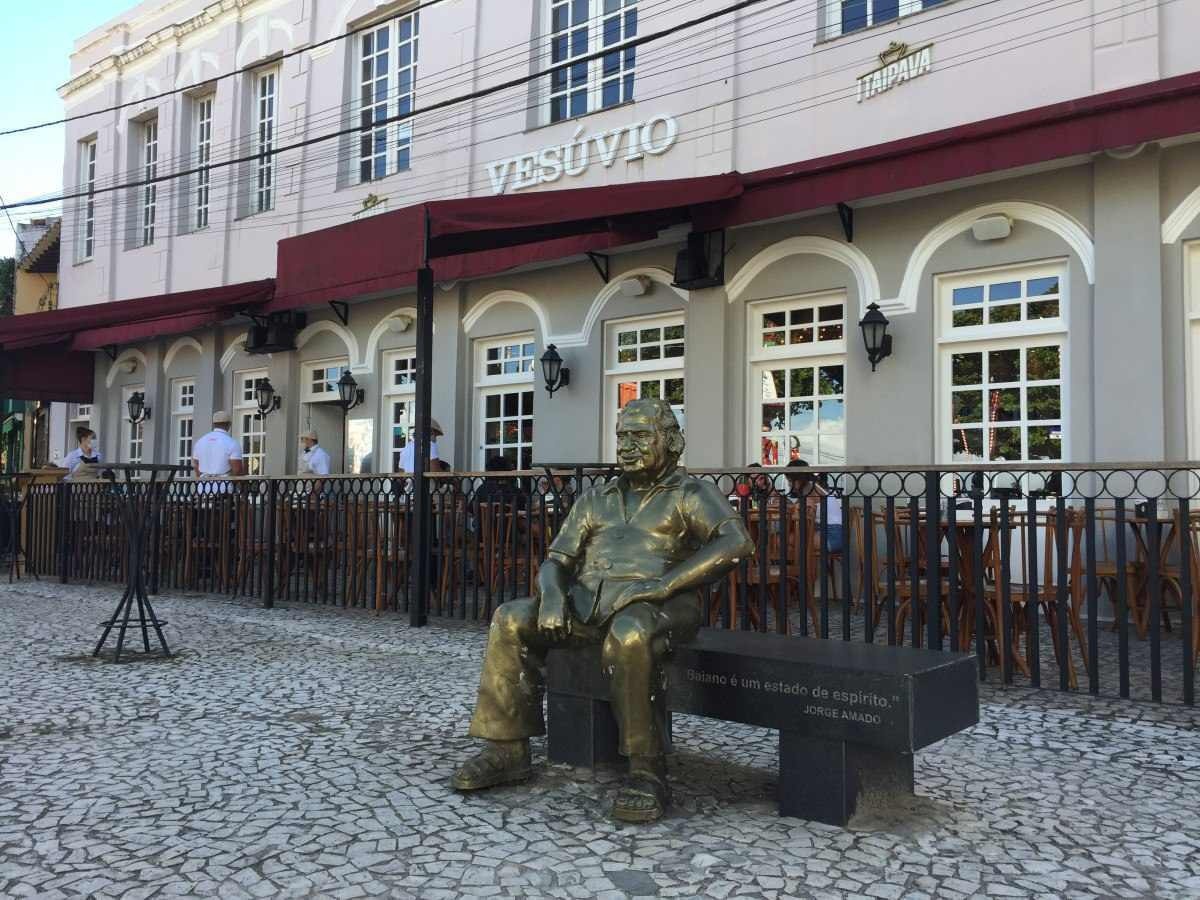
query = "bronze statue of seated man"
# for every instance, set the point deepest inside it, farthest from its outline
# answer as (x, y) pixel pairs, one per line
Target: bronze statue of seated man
(624, 571)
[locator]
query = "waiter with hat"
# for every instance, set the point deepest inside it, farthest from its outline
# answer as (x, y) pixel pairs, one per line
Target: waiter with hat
(314, 460)
(217, 454)
(409, 451)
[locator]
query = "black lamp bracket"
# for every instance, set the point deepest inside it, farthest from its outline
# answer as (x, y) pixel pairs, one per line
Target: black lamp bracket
(600, 261)
(341, 309)
(846, 214)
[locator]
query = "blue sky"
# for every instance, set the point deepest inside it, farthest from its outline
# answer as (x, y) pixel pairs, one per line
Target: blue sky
(35, 46)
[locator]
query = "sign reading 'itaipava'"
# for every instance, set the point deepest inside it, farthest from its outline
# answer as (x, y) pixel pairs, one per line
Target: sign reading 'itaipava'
(653, 137)
(900, 65)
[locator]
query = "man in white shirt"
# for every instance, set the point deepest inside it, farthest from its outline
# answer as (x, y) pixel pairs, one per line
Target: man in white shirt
(314, 460)
(217, 454)
(408, 453)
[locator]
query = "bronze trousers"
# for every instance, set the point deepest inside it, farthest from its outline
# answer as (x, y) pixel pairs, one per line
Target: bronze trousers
(635, 641)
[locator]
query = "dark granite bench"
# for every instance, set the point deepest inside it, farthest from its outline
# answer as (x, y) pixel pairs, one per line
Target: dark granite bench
(849, 716)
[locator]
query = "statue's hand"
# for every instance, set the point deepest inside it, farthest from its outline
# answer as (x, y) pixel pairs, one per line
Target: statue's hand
(553, 614)
(652, 590)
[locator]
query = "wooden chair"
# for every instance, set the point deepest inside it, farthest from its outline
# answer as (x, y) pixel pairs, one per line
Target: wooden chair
(901, 575)
(1041, 528)
(778, 569)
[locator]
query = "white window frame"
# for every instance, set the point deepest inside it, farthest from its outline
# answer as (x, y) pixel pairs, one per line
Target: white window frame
(1191, 314)
(149, 205)
(520, 382)
(815, 355)
(203, 126)
(131, 434)
(394, 394)
(615, 27)
(249, 423)
(266, 118)
(662, 369)
(833, 15)
(387, 149)
(310, 367)
(183, 422)
(81, 412)
(87, 236)
(1004, 336)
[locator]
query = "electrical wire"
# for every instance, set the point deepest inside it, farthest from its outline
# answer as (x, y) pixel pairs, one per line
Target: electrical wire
(440, 177)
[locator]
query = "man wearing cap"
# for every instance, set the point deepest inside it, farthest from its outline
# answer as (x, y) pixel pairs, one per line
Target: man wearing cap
(314, 460)
(408, 454)
(217, 454)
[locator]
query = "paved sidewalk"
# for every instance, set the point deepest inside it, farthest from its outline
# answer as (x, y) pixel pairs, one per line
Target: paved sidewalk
(304, 752)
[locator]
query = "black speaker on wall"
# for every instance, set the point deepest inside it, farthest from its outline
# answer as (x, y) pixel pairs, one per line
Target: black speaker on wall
(702, 263)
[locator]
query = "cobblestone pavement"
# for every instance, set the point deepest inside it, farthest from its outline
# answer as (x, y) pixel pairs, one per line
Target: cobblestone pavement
(304, 753)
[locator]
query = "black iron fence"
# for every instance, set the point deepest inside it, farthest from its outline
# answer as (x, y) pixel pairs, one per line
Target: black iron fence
(1080, 578)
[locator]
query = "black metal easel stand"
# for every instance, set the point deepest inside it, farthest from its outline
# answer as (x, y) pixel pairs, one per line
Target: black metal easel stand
(139, 515)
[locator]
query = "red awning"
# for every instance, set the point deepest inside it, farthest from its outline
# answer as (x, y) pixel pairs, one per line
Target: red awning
(482, 236)
(100, 324)
(47, 373)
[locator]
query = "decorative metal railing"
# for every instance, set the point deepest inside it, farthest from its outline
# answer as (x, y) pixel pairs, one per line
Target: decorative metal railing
(1061, 576)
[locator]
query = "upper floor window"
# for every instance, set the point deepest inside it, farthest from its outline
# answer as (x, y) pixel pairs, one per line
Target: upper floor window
(87, 159)
(387, 80)
(845, 16)
(251, 426)
(203, 132)
(321, 379)
(582, 27)
(149, 173)
(265, 97)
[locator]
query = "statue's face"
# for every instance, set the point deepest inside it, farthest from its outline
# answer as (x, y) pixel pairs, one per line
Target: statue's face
(641, 445)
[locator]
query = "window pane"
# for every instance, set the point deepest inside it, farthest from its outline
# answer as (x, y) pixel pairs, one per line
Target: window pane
(1004, 366)
(1004, 443)
(627, 356)
(854, 15)
(651, 334)
(829, 333)
(1044, 403)
(1004, 405)
(511, 402)
(654, 352)
(801, 316)
(1037, 287)
(772, 417)
(967, 406)
(1042, 363)
(964, 318)
(492, 406)
(673, 333)
(833, 416)
(968, 295)
(674, 391)
(885, 11)
(967, 443)
(831, 380)
(651, 390)
(801, 335)
(801, 416)
(774, 320)
(772, 384)
(1045, 309)
(966, 368)
(626, 338)
(773, 339)
(1010, 312)
(830, 313)
(1008, 290)
(1045, 442)
(527, 403)
(801, 382)
(672, 351)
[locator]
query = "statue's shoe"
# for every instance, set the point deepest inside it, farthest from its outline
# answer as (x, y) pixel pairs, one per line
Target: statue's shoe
(491, 768)
(644, 797)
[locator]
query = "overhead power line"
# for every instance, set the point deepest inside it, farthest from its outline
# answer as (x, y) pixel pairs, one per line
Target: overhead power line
(250, 68)
(399, 117)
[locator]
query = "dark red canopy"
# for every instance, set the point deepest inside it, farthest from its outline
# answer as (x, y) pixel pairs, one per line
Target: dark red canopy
(100, 324)
(50, 372)
(482, 236)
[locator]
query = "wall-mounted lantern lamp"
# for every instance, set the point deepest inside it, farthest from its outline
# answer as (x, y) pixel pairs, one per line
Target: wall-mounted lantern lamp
(874, 327)
(556, 374)
(349, 393)
(268, 400)
(138, 410)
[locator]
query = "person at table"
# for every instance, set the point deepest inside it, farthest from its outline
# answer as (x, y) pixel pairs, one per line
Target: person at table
(217, 454)
(314, 460)
(408, 455)
(86, 452)
(813, 491)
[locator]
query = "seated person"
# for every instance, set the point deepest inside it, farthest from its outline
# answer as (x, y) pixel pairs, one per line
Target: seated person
(624, 572)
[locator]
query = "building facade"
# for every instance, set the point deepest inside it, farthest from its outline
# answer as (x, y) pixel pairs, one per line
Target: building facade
(1040, 311)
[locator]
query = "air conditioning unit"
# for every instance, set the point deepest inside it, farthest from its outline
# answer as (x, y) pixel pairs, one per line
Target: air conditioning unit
(276, 333)
(702, 263)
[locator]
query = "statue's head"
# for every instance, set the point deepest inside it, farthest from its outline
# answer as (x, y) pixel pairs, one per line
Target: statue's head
(649, 441)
